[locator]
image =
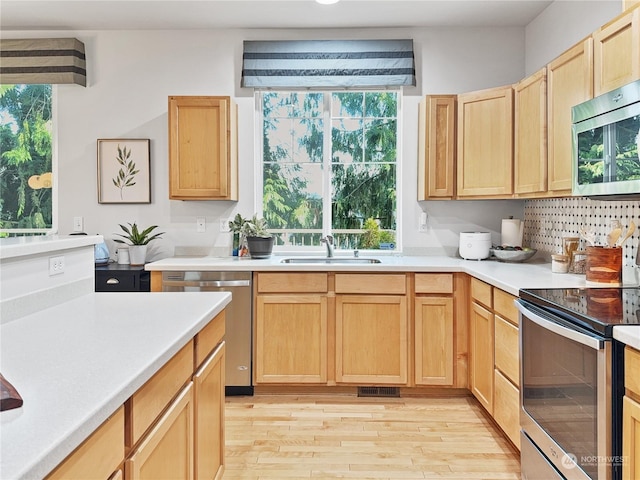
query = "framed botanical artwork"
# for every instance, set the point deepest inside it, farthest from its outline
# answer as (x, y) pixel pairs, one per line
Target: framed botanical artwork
(124, 170)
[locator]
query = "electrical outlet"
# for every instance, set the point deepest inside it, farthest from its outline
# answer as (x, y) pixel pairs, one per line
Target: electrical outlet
(56, 265)
(78, 224)
(201, 224)
(224, 225)
(423, 222)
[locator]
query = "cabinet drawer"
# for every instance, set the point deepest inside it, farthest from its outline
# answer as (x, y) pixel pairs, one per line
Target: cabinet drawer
(506, 407)
(632, 370)
(99, 455)
(209, 337)
(507, 357)
(113, 279)
(370, 283)
(481, 292)
(503, 304)
(434, 283)
(292, 282)
(148, 402)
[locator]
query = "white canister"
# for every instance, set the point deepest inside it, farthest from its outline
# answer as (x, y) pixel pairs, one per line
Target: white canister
(475, 245)
(123, 256)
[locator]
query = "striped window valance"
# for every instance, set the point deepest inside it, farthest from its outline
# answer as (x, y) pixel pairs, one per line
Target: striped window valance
(42, 60)
(328, 63)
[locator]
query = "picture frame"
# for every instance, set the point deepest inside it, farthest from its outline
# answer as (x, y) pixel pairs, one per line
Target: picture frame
(124, 170)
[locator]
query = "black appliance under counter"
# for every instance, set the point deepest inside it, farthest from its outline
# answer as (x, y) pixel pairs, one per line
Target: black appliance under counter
(115, 277)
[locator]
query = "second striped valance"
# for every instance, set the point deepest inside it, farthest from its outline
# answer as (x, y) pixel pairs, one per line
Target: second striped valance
(328, 63)
(42, 60)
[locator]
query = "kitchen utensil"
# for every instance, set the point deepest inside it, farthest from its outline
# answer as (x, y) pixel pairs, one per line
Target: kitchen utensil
(515, 256)
(613, 236)
(475, 245)
(630, 230)
(589, 235)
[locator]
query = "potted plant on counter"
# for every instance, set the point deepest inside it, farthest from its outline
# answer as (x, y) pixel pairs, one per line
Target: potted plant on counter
(137, 240)
(259, 239)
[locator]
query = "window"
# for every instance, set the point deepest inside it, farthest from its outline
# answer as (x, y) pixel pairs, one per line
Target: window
(329, 165)
(26, 160)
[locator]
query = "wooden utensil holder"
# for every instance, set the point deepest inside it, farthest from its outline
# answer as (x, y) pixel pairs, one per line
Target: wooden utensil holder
(604, 265)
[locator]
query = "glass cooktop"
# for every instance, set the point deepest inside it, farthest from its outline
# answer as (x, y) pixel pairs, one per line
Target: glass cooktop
(598, 309)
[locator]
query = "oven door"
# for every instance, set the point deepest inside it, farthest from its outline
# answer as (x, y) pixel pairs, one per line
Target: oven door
(565, 395)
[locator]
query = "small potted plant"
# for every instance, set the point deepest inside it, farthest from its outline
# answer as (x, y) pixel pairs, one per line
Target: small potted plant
(137, 240)
(259, 239)
(235, 227)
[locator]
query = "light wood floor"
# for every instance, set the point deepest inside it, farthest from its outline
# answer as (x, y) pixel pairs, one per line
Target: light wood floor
(295, 437)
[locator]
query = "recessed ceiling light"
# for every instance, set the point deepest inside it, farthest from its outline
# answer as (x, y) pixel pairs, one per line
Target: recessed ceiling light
(327, 2)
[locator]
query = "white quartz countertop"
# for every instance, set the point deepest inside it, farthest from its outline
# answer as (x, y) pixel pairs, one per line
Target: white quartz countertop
(510, 277)
(76, 363)
(31, 245)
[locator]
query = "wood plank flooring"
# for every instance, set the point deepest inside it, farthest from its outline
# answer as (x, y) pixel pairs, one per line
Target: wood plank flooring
(324, 437)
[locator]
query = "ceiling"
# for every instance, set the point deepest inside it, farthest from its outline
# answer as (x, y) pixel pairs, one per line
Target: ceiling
(207, 14)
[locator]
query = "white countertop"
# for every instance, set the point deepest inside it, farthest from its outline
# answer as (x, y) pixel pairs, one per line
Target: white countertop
(31, 245)
(510, 277)
(74, 364)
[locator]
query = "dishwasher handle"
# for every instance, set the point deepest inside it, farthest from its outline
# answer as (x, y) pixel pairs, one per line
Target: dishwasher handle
(207, 283)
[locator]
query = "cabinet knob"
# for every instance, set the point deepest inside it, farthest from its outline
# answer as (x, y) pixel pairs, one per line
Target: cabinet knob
(113, 281)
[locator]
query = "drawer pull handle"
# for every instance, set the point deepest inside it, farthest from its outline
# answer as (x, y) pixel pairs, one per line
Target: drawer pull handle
(112, 281)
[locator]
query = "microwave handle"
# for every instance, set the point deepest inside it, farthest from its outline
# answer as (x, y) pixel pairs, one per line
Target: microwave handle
(565, 332)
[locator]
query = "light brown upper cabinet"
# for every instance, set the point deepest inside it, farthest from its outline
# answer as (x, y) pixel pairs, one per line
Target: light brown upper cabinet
(202, 148)
(436, 147)
(485, 143)
(530, 135)
(569, 82)
(616, 47)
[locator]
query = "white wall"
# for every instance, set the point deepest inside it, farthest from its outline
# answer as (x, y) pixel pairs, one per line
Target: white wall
(562, 25)
(131, 74)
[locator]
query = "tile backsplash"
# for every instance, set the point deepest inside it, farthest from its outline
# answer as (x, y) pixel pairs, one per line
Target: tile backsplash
(547, 221)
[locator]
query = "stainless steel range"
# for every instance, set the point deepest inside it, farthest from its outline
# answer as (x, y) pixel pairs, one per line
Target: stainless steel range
(572, 374)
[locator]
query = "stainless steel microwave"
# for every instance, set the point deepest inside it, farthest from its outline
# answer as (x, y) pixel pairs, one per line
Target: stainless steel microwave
(606, 145)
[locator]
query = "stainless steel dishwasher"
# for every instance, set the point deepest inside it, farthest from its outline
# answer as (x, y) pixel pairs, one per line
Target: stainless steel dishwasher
(238, 331)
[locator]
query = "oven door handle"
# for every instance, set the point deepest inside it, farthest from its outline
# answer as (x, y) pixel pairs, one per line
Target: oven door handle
(587, 340)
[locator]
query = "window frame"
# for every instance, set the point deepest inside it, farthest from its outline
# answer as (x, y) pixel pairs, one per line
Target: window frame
(327, 163)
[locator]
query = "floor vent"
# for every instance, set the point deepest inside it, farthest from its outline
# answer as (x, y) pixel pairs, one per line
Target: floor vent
(378, 392)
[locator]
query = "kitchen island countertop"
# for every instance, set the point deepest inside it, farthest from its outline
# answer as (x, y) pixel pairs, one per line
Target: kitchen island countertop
(76, 363)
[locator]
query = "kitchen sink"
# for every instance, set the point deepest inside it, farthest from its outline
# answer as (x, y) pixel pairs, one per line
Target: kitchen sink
(334, 260)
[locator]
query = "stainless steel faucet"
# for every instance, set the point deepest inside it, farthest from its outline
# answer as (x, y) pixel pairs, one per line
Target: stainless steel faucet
(328, 241)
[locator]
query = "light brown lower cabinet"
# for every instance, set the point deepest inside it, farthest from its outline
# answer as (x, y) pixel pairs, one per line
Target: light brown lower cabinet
(371, 339)
(506, 410)
(166, 451)
(434, 344)
(481, 347)
(171, 427)
(209, 398)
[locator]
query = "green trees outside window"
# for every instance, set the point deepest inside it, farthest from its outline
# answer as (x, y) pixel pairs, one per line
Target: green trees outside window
(26, 193)
(329, 163)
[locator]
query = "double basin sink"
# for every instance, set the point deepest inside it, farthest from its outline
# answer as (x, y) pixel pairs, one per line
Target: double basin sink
(331, 260)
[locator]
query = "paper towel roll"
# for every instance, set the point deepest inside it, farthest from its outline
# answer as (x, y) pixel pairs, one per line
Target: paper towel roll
(512, 232)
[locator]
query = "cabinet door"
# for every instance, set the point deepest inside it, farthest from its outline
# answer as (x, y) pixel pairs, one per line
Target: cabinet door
(485, 143)
(506, 407)
(530, 157)
(434, 341)
(436, 146)
(616, 49)
(482, 355)
(167, 451)
(208, 384)
(507, 356)
(569, 82)
(291, 339)
(371, 339)
(202, 149)
(630, 439)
